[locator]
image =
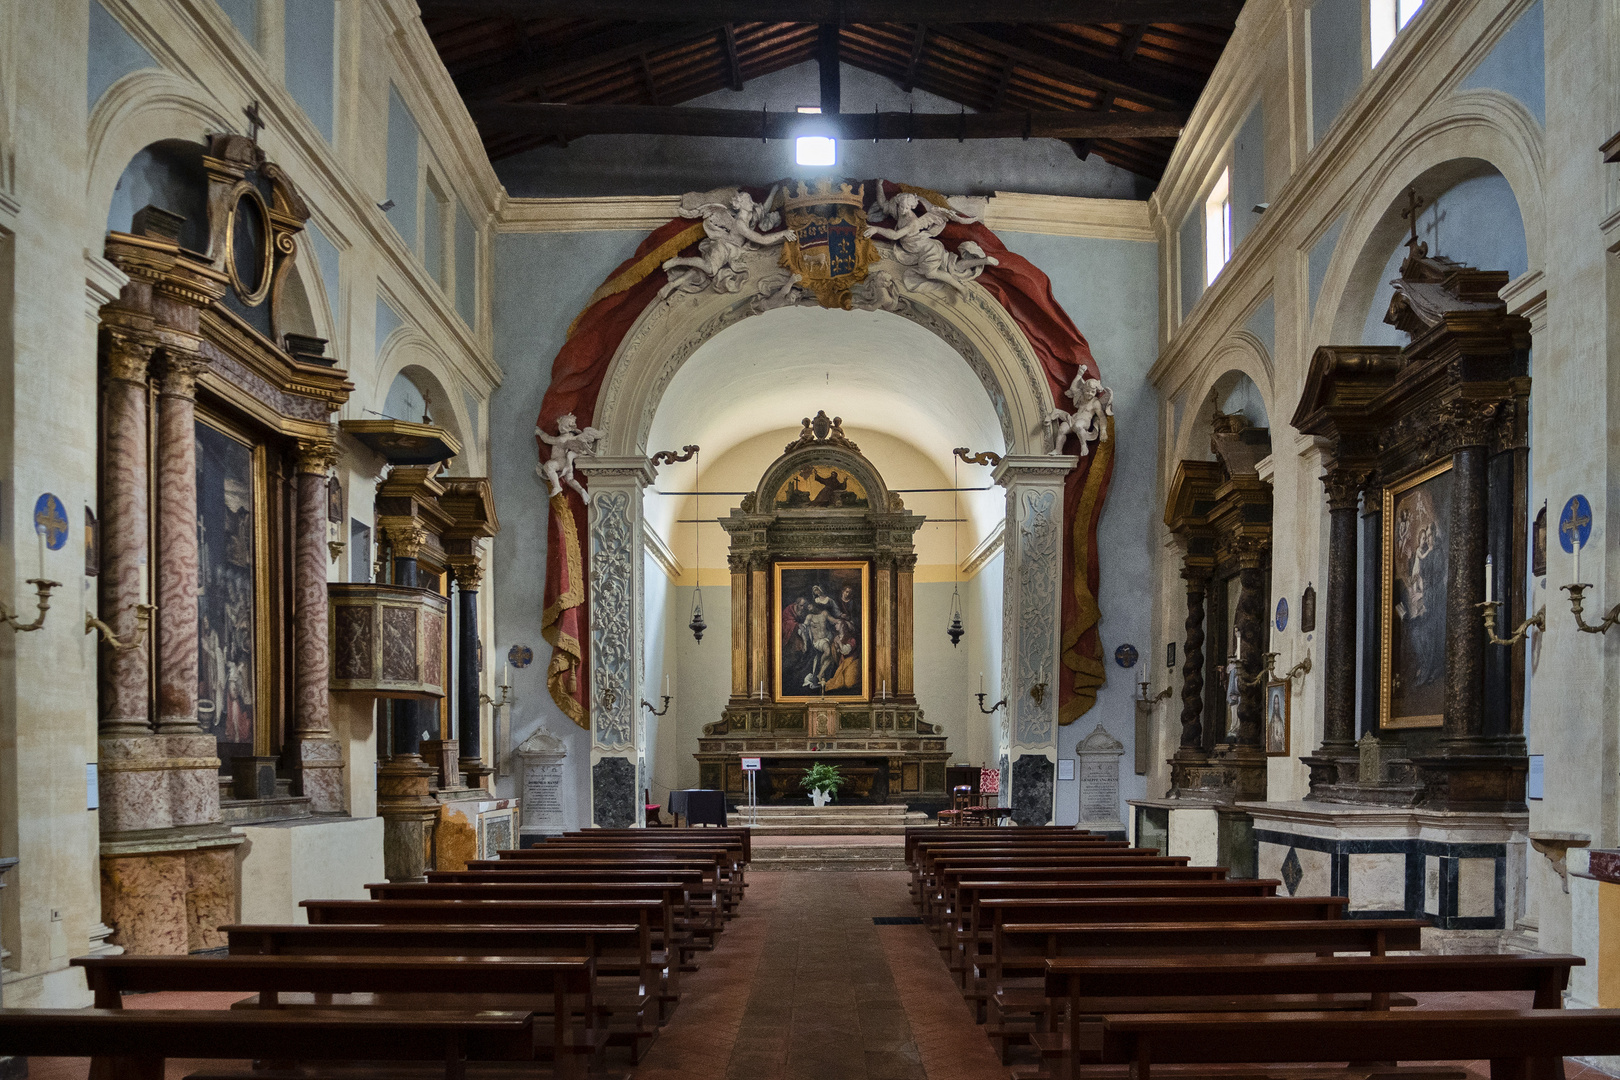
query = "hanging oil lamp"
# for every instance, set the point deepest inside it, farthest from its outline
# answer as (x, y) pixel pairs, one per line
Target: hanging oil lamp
(697, 625)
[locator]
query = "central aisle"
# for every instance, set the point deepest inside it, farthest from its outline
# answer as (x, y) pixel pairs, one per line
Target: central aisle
(804, 985)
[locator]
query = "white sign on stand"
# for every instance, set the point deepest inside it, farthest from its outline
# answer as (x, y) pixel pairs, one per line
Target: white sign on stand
(751, 771)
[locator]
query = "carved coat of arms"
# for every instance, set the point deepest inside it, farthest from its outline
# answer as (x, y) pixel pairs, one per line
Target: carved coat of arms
(832, 252)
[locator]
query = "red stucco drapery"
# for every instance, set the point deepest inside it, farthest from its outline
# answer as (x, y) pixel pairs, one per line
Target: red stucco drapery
(576, 380)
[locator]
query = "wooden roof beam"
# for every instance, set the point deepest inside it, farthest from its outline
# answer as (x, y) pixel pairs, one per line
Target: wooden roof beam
(1112, 75)
(939, 12)
(574, 121)
(827, 60)
(579, 57)
(908, 82)
(733, 65)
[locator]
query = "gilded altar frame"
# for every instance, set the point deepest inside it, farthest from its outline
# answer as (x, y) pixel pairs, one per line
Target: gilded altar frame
(1386, 600)
(865, 598)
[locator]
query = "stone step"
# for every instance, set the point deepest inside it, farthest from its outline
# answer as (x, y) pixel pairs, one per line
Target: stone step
(829, 857)
(835, 810)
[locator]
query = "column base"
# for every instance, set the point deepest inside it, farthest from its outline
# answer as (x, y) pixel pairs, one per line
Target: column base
(167, 892)
(1231, 774)
(409, 813)
(157, 782)
(443, 756)
(320, 774)
(1033, 786)
(614, 798)
(1474, 775)
(474, 773)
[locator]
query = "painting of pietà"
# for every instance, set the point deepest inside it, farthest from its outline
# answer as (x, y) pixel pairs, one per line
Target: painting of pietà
(1417, 514)
(821, 638)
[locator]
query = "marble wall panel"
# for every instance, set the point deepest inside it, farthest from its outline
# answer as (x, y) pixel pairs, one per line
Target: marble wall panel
(1033, 776)
(355, 643)
(1476, 888)
(613, 793)
(399, 644)
(1377, 882)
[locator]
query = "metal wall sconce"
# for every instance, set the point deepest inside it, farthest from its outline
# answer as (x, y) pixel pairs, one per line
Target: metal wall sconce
(44, 587)
(645, 704)
(506, 699)
(1538, 620)
(336, 548)
(1269, 669)
(1160, 696)
(1002, 704)
(143, 623)
(1576, 593)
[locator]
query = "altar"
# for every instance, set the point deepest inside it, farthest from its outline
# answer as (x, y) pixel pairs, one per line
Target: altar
(822, 562)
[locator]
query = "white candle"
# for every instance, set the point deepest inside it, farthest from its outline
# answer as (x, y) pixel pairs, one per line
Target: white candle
(41, 536)
(981, 682)
(506, 676)
(666, 684)
(1239, 639)
(1577, 546)
(143, 581)
(1488, 589)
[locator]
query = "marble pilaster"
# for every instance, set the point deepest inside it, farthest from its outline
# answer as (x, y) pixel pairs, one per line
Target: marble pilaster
(1033, 599)
(177, 544)
(617, 643)
(320, 758)
(469, 575)
(1336, 760)
(124, 525)
(739, 627)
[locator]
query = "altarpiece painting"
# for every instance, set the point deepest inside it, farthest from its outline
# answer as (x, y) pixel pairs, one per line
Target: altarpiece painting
(1416, 526)
(229, 521)
(821, 639)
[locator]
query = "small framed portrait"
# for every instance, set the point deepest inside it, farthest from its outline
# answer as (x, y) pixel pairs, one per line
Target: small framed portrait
(821, 631)
(1416, 535)
(1278, 721)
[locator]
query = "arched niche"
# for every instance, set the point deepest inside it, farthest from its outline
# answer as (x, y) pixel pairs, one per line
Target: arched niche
(1237, 380)
(167, 174)
(409, 355)
(1462, 137)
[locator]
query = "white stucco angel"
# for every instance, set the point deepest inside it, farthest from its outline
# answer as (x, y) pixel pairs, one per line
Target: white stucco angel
(567, 446)
(929, 266)
(1093, 402)
(731, 222)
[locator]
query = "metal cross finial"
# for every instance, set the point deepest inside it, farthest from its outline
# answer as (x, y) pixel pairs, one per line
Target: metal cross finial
(255, 120)
(1573, 526)
(1414, 202)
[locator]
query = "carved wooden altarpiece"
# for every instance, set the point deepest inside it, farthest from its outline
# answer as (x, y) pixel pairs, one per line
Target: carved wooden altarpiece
(1436, 435)
(798, 692)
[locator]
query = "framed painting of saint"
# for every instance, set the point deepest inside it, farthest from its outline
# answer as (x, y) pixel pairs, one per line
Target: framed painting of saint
(232, 587)
(1416, 536)
(822, 646)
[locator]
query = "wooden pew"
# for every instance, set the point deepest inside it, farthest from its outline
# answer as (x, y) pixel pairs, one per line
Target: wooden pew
(561, 988)
(703, 923)
(1082, 988)
(1527, 1044)
(949, 879)
(713, 862)
(915, 833)
(656, 915)
(739, 832)
(134, 1045)
(929, 865)
(1019, 951)
(707, 902)
(727, 856)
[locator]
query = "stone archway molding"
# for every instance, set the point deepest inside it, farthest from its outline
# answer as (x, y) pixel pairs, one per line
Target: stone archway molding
(625, 346)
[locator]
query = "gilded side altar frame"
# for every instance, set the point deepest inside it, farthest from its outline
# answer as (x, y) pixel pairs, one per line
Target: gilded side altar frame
(866, 626)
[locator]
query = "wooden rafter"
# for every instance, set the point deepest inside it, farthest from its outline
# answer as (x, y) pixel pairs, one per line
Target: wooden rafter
(939, 12)
(733, 65)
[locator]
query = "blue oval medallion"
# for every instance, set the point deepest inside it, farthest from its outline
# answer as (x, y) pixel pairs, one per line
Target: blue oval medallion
(50, 521)
(1125, 656)
(520, 656)
(1282, 614)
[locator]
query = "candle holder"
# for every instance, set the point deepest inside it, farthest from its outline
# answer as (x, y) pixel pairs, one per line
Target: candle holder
(1576, 594)
(1260, 677)
(1002, 704)
(44, 588)
(502, 756)
(645, 704)
(143, 623)
(500, 703)
(1160, 696)
(1538, 620)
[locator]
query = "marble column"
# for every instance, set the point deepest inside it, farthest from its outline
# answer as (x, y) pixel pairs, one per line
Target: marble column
(469, 575)
(617, 652)
(882, 616)
(1251, 620)
(192, 775)
(320, 758)
(1335, 761)
(905, 572)
(739, 626)
(759, 624)
(1192, 670)
(406, 542)
(1465, 591)
(1032, 596)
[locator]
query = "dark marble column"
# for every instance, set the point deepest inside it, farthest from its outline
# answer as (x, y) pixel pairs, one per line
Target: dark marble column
(469, 713)
(1192, 671)
(1339, 650)
(1251, 617)
(177, 544)
(1465, 590)
(320, 759)
(407, 728)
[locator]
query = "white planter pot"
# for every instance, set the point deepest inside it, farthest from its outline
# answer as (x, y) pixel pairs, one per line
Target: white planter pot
(819, 798)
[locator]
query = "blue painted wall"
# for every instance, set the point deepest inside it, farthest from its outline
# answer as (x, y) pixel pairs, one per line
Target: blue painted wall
(466, 267)
(1517, 65)
(1317, 261)
(311, 54)
(1248, 174)
(326, 256)
(1263, 325)
(402, 148)
(113, 54)
(244, 14)
(170, 176)
(1336, 62)
(1192, 259)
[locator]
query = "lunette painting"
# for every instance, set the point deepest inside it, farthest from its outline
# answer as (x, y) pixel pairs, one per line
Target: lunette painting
(821, 638)
(1417, 515)
(227, 674)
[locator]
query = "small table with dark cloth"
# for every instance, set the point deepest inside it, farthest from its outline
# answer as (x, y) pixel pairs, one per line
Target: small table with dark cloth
(699, 806)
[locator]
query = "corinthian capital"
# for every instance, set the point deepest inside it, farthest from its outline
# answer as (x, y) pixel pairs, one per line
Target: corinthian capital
(180, 371)
(469, 573)
(1343, 487)
(129, 357)
(316, 456)
(407, 541)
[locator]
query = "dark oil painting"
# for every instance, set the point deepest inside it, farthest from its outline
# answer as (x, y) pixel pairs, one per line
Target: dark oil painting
(1416, 537)
(227, 673)
(821, 630)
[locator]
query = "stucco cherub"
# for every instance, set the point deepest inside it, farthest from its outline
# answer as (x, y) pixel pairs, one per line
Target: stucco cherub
(1093, 403)
(731, 222)
(929, 266)
(569, 444)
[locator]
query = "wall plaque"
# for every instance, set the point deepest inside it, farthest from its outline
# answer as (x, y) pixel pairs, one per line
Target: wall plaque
(542, 813)
(1099, 756)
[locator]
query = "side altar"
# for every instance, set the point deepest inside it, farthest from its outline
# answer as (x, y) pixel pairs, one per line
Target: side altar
(822, 563)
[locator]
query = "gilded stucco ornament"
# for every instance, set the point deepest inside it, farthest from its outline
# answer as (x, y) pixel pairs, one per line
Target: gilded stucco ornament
(567, 447)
